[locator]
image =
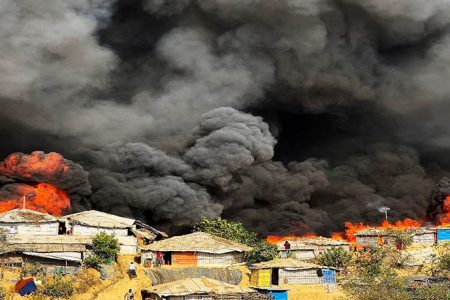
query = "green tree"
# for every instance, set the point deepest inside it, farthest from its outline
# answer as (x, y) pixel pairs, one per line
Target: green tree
(335, 257)
(262, 251)
(234, 231)
(104, 250)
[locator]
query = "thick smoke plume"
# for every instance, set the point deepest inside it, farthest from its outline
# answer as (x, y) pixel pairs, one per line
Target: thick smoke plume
(295, 118)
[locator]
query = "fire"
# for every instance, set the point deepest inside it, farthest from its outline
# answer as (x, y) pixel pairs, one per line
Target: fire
(43, 197)
(37, 166)
(273, 239)
(444, 219)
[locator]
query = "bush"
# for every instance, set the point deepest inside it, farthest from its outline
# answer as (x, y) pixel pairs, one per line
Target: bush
(106, 247)
(434, 292)
(234, 231)
(335, 257)
(262, 251)
(444, 263)
(93, 261)
(58, 288)
(104, 250)
(387, 285)
(33, 269)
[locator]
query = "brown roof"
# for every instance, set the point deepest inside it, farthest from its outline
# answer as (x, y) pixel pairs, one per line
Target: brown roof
(197, 286)
(197, 242)
(100, 219)
(286, 263)
(26, 216)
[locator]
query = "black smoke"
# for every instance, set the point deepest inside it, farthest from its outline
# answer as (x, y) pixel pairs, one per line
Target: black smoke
(288, 115)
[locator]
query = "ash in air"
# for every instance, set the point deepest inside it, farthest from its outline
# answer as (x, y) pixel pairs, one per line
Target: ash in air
(290, 115)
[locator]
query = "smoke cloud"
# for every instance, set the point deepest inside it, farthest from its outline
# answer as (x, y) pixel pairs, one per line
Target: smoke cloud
(295, 118)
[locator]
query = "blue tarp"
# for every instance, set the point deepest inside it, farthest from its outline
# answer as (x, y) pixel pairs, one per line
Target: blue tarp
(443, 234)
(279, 295)
(329, 276)
(28, 288)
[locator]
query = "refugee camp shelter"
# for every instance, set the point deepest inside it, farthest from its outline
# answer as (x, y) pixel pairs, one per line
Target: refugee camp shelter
(53, 253)
(311, 247)
(369, 237)
(28, 222)
(199, 289)
(92, 222)
(423, 236)
(198, 249)
(290, 271)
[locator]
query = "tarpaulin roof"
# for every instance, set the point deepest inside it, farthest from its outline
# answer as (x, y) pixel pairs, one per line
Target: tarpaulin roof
(26, 216)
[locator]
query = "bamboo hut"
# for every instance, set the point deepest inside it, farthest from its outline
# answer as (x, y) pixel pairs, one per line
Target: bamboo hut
(198, 249)
(200, 289)
(28, 222)
(290, 271)
(311, 247)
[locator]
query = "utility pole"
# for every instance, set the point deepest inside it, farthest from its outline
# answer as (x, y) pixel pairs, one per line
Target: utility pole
(25, 197)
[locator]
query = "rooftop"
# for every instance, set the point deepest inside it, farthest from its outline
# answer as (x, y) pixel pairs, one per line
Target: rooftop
(307, 242)
(378, 231)
(287, 263)
(26, 216)
(96, 218)
(197, 242)
(197, 286)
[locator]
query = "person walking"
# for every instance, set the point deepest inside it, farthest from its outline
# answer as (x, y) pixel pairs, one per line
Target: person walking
(132, 270)
(129, 295)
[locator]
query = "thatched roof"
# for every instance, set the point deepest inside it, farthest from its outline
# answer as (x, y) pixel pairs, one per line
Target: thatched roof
(100, 219)
(198, 286)
(197, 242)
(287, 263)
(311, 243)
(26, 216)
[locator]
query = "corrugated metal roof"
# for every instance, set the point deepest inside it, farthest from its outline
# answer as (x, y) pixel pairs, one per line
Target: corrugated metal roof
(197, 242)
(310, 243)
(96, 218)
(65, 256)
(26, 216)
(197, 286)
(287, 263)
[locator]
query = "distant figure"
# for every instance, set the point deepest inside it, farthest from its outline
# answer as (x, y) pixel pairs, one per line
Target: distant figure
(159, 258)
(132, 270)
(129, 295)
(287, 247)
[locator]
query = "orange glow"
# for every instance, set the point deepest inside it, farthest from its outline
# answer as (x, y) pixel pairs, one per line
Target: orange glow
(18, 165)
(47, 198)
(273, 239)
(444, 219)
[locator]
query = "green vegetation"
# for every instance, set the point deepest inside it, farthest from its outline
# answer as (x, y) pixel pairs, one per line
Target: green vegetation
(335, 257)
(31, 269)
(58, 288)
(235, 231)
(444, 263)
(104, 250)
(2, 293)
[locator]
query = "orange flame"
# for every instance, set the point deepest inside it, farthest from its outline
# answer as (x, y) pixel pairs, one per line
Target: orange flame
(273, 239)
(47, 198)
(444, 219)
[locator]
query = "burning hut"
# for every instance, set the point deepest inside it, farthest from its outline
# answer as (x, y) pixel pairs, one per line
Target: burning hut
(198, 249)
(311, 247)
(200, 288)
(378, 236)
(28, 222)
(290, 271)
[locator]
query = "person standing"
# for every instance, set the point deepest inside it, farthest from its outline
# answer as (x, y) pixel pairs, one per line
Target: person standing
(287, 248)
(132, 270)
(129, 295)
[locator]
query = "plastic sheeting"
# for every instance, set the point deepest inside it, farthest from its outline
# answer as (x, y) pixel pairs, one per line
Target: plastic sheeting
(159, 276)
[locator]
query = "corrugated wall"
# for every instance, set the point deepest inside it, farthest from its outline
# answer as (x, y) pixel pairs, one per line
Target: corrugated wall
(32, 229)
(299, 277)
(184, 259)
(367, 240)
(443, 235)
(212, 259)
(423, 239)
(87, 230)
(304, 254)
